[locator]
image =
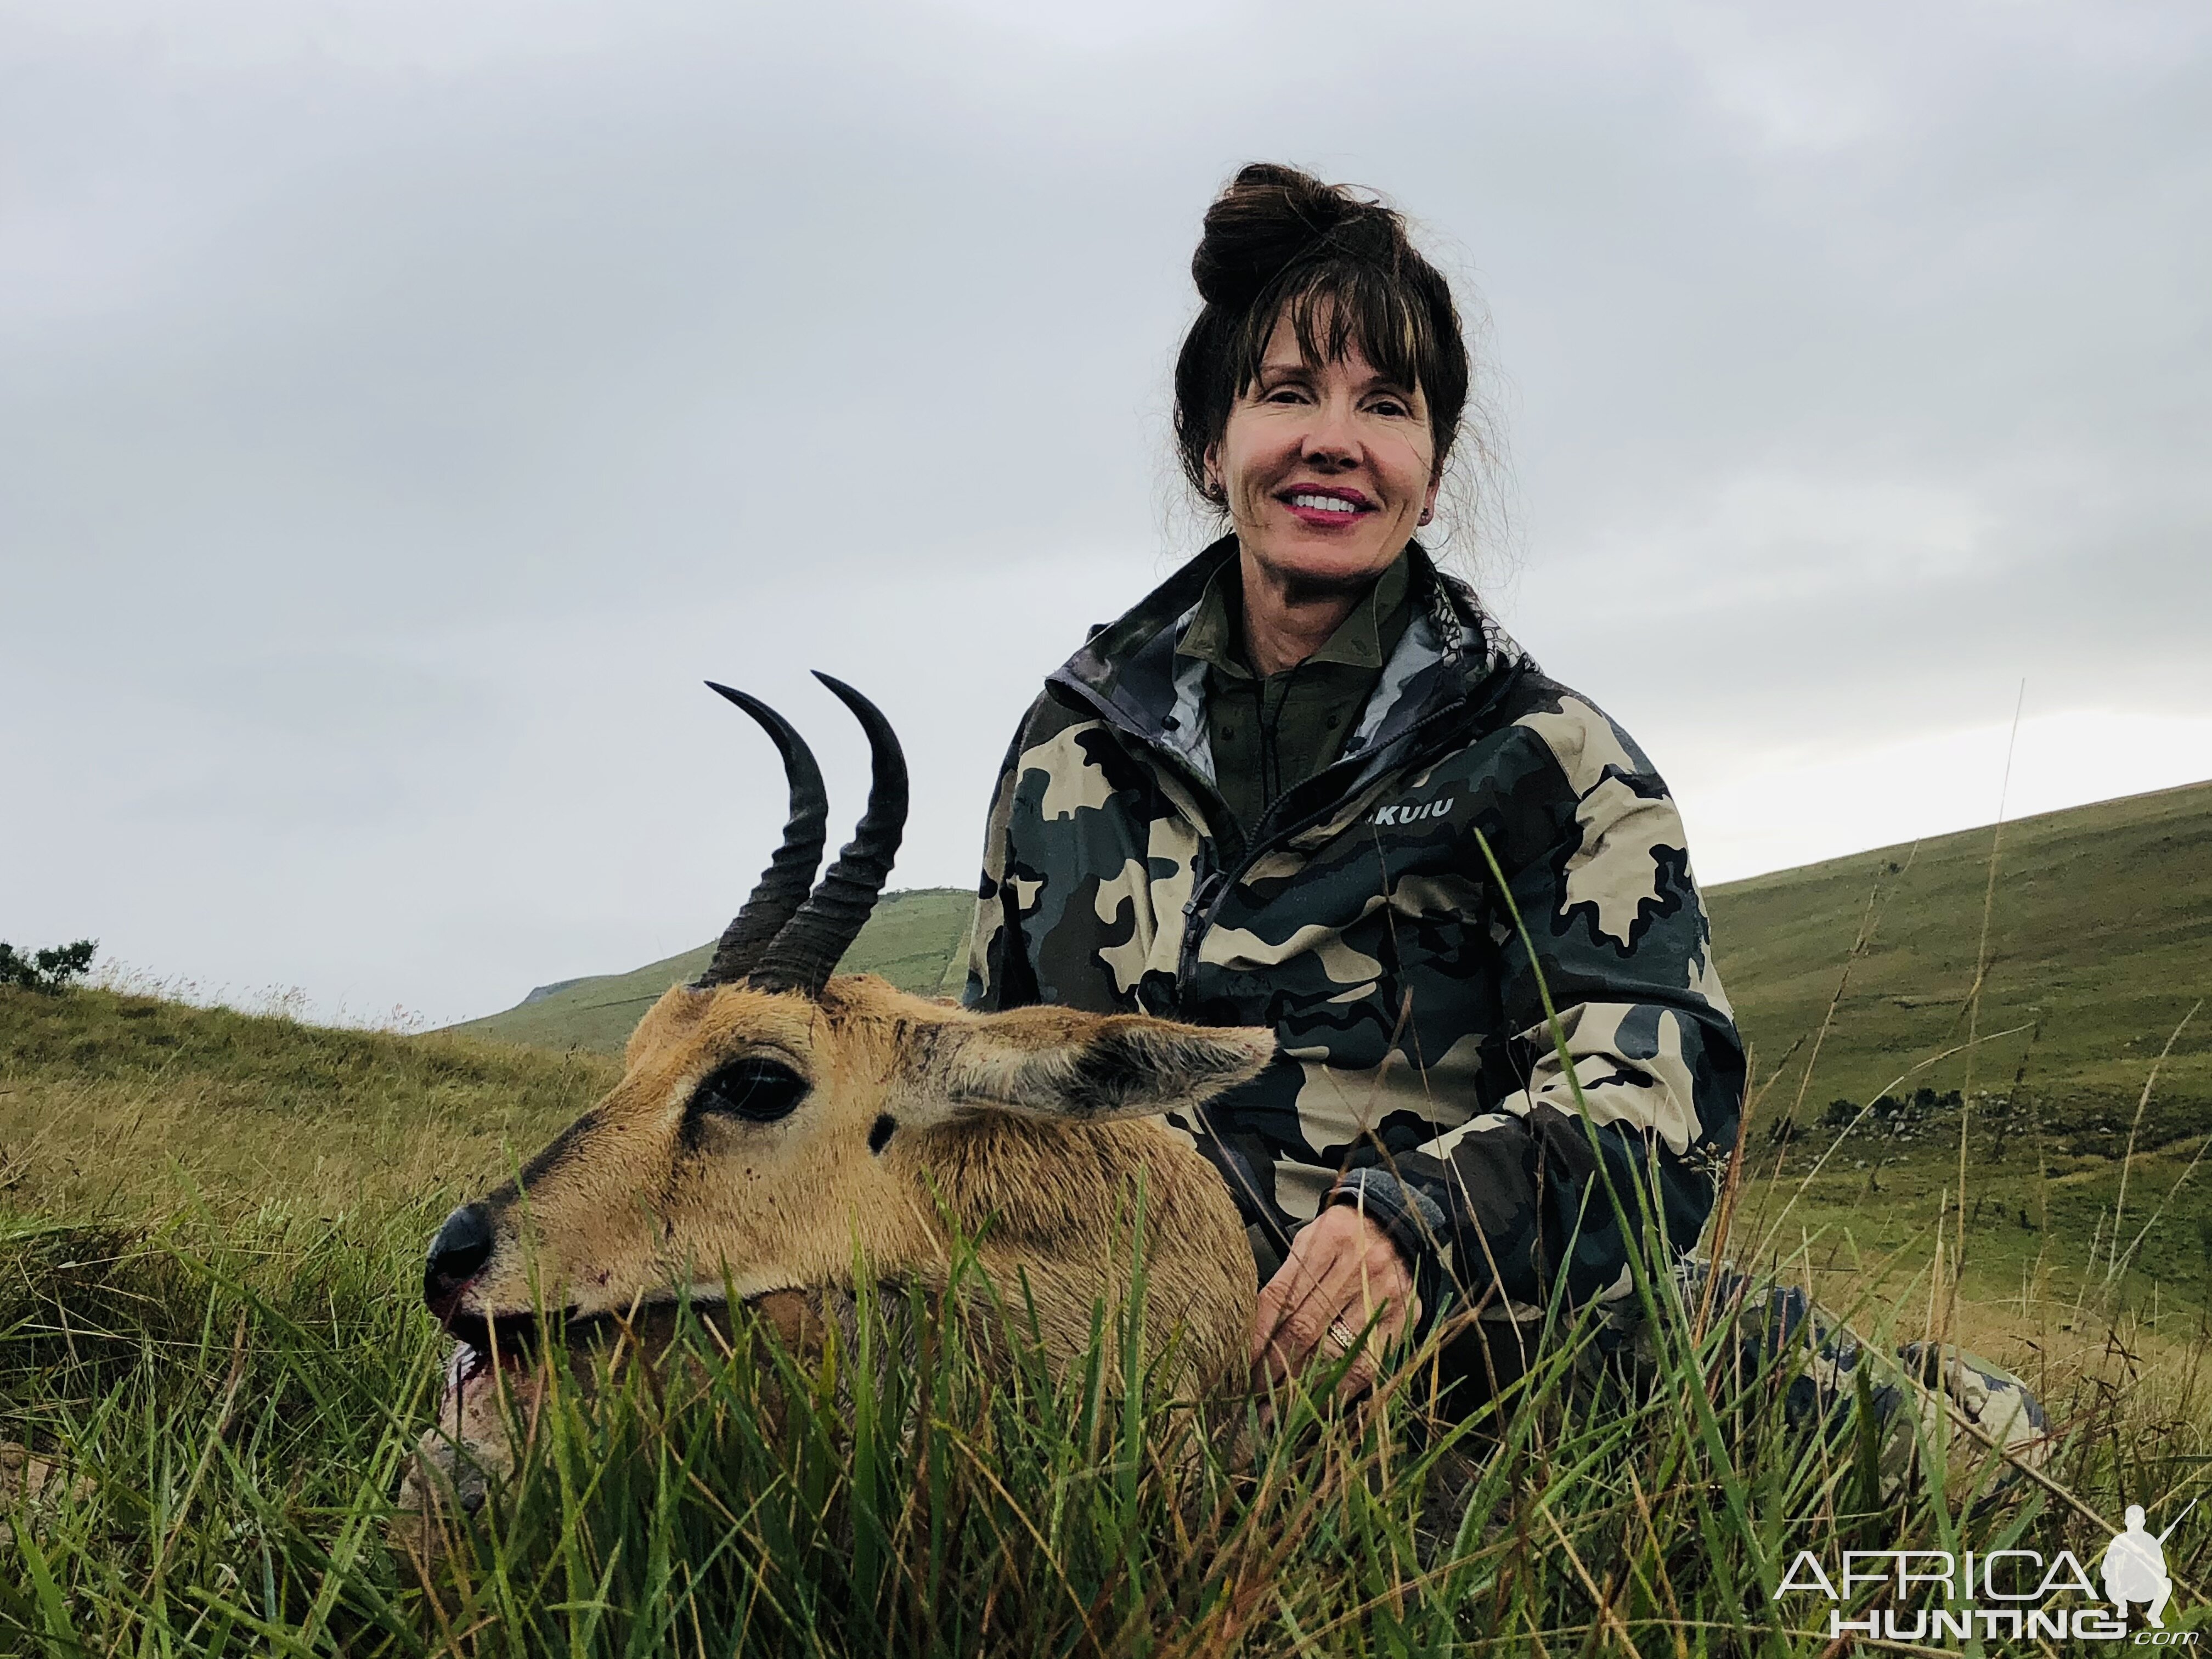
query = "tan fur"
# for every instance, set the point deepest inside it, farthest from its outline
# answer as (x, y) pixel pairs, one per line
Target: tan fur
(992, 1121)
(1029, 1131)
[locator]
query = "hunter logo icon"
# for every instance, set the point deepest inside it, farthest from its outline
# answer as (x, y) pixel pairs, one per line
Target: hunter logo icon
(1402, 813)
(2134, 1566)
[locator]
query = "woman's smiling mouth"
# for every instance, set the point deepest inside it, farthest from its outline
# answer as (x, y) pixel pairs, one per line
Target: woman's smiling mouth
(1326, 507)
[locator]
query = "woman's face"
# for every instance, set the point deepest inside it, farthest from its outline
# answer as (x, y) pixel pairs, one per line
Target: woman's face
(1326, 468)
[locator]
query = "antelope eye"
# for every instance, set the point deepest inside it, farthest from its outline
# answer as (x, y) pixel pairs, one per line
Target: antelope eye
(759, 1090)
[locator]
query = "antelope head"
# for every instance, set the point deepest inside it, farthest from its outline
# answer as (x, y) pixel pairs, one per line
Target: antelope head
(771, 1117)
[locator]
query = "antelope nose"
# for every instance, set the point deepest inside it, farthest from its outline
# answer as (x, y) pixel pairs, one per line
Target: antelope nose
(457, 1254)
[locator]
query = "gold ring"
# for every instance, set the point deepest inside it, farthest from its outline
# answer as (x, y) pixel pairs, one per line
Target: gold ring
(1343, 1336)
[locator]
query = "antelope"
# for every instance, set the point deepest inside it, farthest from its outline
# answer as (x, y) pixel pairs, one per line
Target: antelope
(771, 1118)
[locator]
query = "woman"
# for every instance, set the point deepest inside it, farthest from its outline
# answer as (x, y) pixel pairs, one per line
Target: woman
(1272, 794)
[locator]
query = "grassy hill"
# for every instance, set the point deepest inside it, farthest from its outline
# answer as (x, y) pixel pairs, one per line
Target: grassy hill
(114, 1105)
(912, 939)
(2099, 941)
(2099, 945)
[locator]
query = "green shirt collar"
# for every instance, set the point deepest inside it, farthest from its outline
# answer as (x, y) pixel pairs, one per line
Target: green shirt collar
(1215, 633)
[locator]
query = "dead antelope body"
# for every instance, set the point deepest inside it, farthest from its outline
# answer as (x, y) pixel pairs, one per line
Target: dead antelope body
(771, 1118)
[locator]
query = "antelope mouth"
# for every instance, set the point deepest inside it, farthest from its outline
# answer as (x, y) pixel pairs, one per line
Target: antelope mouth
(504, 1339)
(515, 1341)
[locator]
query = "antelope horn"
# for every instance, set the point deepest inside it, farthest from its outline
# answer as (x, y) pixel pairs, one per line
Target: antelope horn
(803, 955)
(783, 884)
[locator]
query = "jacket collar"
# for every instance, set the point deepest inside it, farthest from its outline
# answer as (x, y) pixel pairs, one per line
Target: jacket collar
(1452, 655)
(1216, 631)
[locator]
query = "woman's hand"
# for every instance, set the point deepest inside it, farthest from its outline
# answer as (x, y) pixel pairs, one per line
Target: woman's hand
(1342, 1271)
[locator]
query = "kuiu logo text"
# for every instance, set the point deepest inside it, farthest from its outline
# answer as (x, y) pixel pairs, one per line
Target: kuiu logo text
(1413, 812)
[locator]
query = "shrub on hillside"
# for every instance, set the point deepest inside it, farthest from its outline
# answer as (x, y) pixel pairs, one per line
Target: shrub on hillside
(49, 971)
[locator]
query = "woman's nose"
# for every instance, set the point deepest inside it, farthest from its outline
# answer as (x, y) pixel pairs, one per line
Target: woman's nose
(1330, 440)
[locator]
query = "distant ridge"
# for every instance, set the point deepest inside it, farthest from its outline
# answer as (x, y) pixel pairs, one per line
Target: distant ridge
(539, 992)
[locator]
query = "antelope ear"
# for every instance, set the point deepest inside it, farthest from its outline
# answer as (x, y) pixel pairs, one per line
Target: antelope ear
(1055, 1063)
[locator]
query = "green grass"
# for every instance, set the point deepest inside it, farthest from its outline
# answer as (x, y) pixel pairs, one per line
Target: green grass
(912, 939)
(211, 1345)
(213, 1337)
(228, 1408)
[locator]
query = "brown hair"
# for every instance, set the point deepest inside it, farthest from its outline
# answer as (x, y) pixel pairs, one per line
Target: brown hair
(1280, 242)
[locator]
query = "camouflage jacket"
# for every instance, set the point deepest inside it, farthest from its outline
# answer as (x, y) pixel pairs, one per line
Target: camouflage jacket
(1416, 1073)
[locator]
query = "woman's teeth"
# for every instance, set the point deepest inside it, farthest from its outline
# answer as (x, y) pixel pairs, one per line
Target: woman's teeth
(1325, 503)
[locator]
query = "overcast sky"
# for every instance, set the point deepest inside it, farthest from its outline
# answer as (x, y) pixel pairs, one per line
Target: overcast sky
(404, 406)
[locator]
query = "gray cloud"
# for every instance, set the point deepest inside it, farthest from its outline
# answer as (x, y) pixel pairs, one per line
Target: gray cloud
(402, 407)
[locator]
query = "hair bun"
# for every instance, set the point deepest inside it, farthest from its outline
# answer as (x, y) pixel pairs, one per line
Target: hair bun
(1272, 217)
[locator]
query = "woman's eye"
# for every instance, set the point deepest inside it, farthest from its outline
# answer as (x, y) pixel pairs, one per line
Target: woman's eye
(759, 1090)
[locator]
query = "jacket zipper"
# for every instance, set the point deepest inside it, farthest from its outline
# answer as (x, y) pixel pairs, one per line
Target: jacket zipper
(1207, 898)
